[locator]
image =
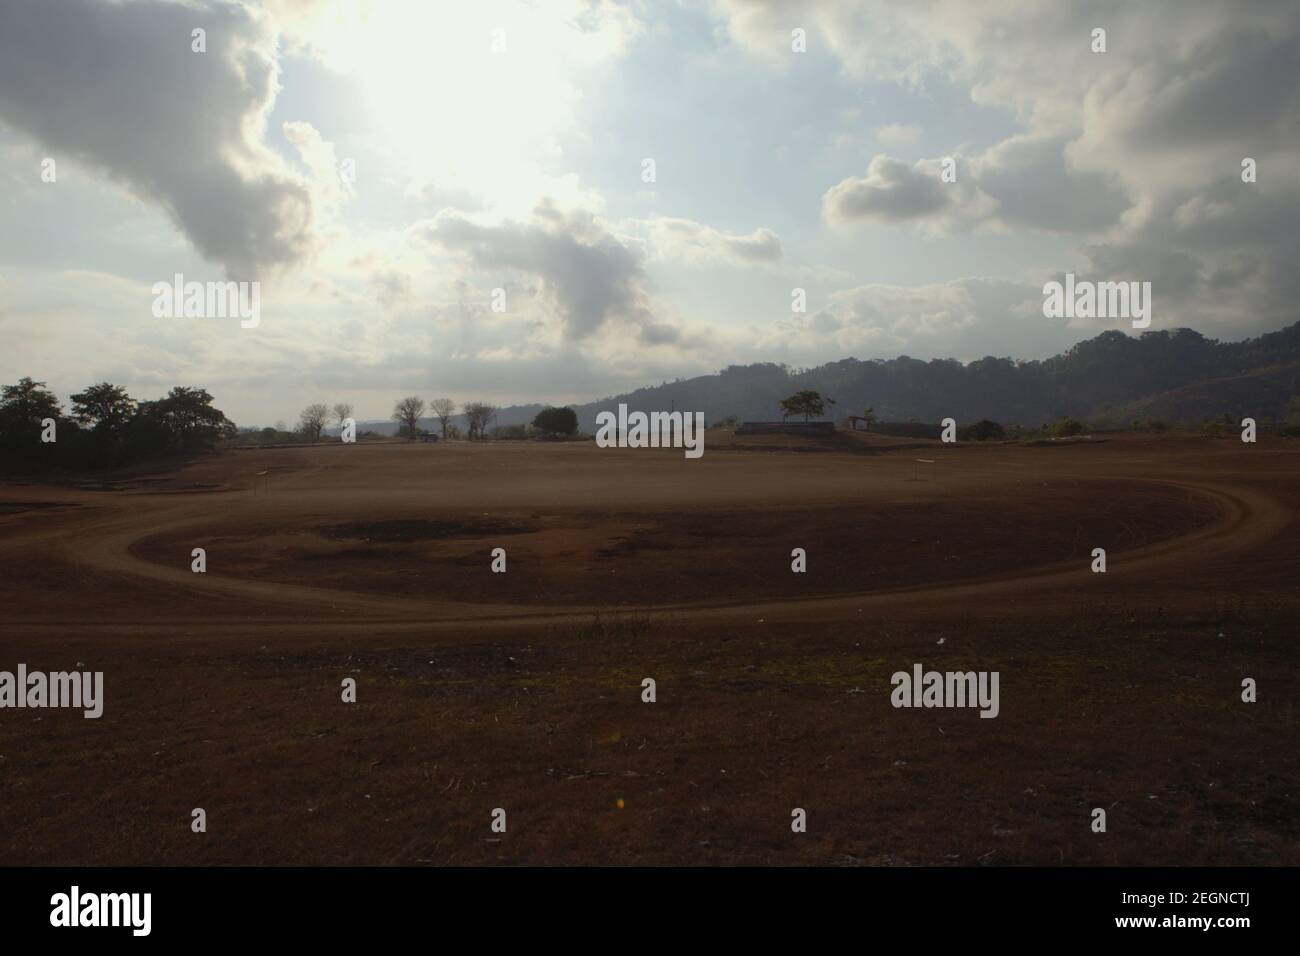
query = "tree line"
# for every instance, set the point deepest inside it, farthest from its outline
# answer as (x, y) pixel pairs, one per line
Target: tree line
(407, 413)
(105, 426)
(550, 422)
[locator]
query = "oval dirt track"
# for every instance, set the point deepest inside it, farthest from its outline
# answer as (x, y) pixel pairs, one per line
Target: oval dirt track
(100, 537)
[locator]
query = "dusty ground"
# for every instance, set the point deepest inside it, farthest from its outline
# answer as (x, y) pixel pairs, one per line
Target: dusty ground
(522, 690)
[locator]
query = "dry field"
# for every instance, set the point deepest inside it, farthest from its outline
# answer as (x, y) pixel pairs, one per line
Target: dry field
(522, 690)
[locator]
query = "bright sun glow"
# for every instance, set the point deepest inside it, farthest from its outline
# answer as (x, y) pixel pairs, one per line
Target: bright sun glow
(472, 97)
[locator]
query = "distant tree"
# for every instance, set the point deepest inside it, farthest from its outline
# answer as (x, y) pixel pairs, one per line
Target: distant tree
(407, 412)
(312, 419)
(555, 422)
(1067, 427)
(479, 415)
(443, 409)
(806, 403)
(342, 412)
(103, 407)
(983, 430)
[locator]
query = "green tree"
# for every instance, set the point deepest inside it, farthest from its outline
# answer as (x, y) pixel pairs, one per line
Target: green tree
(104, 407)
(28, 402)
(22, 409)
(184, 419)
(806, 403)
(556, 421)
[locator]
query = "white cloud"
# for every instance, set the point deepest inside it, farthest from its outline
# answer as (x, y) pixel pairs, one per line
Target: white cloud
(898, 134)
(694, 243)
(964, 318)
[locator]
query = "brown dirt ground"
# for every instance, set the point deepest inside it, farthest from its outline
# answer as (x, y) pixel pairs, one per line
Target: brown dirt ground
(522, 690)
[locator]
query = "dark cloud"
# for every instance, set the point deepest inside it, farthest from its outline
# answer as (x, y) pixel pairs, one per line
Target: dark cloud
(1031, 184)
(588, 277)
(1239, 86)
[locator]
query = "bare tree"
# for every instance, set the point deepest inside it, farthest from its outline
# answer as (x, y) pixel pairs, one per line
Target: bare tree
(342, 412)
(443, 409)
(407, 412)
(479, 415)
(312, 419)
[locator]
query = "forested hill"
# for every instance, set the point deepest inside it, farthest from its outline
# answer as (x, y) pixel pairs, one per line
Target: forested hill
(1111, 379)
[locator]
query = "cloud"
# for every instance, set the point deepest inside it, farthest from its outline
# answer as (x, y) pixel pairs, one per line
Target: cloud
(616, 25)
(1031, 182)
(329, 187)
(890, 192)
(685, 240)
(1022, 182)
(893, 191)
(1135, 151)
(391, 288)
(898, 134)
(964, 318)
(116, 87)
(588, 277)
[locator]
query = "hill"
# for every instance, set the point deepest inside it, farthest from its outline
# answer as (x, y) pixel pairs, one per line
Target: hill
(1178, 376)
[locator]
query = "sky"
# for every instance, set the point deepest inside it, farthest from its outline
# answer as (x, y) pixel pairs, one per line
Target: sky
(560, 200)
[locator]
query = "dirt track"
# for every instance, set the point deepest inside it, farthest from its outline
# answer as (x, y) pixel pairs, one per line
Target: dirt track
(522, 690)
(102, 534)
